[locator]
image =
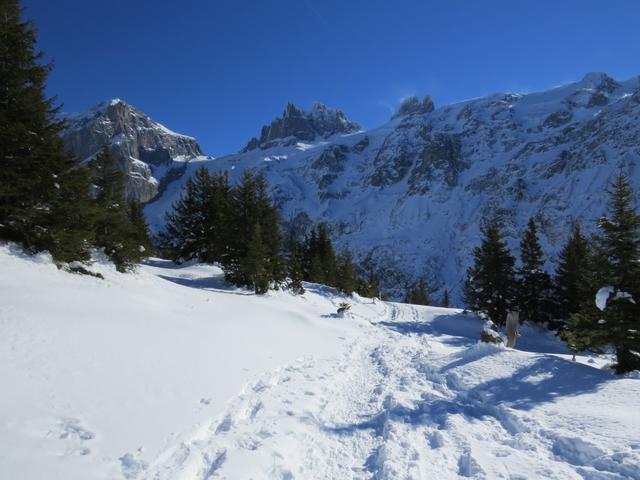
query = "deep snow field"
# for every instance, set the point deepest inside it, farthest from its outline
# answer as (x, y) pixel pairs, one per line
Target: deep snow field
(168, 373)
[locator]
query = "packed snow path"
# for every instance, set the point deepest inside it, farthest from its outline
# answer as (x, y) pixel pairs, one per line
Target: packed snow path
(416, 397)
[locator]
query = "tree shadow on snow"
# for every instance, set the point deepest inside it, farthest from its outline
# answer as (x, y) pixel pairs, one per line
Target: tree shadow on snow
(457, 330)
(545, 380)
(213, 284)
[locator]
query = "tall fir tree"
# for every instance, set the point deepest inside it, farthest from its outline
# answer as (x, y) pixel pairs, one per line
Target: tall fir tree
(295, 271)
(534, 283)
(419, 293)
(445, 299)
(346, 279)
(140, 230)
(114, 230)
(618, 324)
(320, 257)
(489, 287)
(573, 278)
(255, 264)
(37, 179)
(186, 228)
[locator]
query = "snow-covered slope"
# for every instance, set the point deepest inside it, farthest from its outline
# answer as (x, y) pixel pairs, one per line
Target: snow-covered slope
(149, 153)
(410, 194)
(170, 374)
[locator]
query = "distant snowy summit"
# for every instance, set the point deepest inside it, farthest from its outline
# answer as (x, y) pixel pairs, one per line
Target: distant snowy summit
(297, 124)
(146, 150)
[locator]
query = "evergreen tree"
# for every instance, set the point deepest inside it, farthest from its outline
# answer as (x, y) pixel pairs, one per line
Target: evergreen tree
(445, 299)
(490, 281)
(255, 263)
(72, 232)
(346, 279)
(252, 205)
(419, 293)
(619, 252)
(295, 267)
(320, 257)
(37, 181)
(185, 235)
(114, 230)
(573, 277)
(140, 229)
(534, 284)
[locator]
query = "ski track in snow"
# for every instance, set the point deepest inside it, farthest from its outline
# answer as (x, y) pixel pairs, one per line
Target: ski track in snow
(396, 405)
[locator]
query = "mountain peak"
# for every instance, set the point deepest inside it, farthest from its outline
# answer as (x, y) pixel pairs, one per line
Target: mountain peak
(297, 124)
(411, 105)
(598, 81)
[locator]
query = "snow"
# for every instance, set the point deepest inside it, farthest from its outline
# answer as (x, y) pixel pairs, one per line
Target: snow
(168, 373)
(602, 297)
(504, 152)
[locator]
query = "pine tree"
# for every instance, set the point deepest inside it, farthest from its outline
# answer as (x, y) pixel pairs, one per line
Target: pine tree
(185, 231)
(490, 281)
(140, 229)
(445, 299)
(574, 275)
(114, 230)
(534, 284)
(346, 279)
(295, 267)
(254, 265)
(419, 293)
(619, 260)
(320, 264)
(37, 181)
(252, 205)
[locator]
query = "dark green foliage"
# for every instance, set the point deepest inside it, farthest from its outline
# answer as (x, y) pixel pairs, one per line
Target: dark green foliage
(254, 266)
(346, 278)
(252, 206)
(490, 281)
(617, 265)
(572, 283)
(237, 227)
(419, 293)
(72, 233)
(140, 231)
(114, 230)
(320, 258)
(37, 185)
(294, 267)
(445, 299)
(534, 284)
(198, 227)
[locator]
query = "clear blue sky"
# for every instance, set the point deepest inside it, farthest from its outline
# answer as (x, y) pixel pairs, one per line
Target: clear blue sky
(219, 70)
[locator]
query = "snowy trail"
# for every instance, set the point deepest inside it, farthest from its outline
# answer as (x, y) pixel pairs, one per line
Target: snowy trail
(160, 375)
(409, 399)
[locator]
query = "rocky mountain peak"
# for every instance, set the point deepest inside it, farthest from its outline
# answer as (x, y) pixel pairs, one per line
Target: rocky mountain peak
(413, 105)
(139, 144)
(296, 124)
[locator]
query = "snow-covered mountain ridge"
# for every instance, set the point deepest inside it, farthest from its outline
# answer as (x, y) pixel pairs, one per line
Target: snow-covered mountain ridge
(409, 196)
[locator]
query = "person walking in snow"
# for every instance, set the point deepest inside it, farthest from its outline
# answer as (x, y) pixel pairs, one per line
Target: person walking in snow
(513, 323)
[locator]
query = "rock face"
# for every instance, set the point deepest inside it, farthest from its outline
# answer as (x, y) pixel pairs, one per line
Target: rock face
(147, 152)
(296, 125)
(412, 105)
(408, 197)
